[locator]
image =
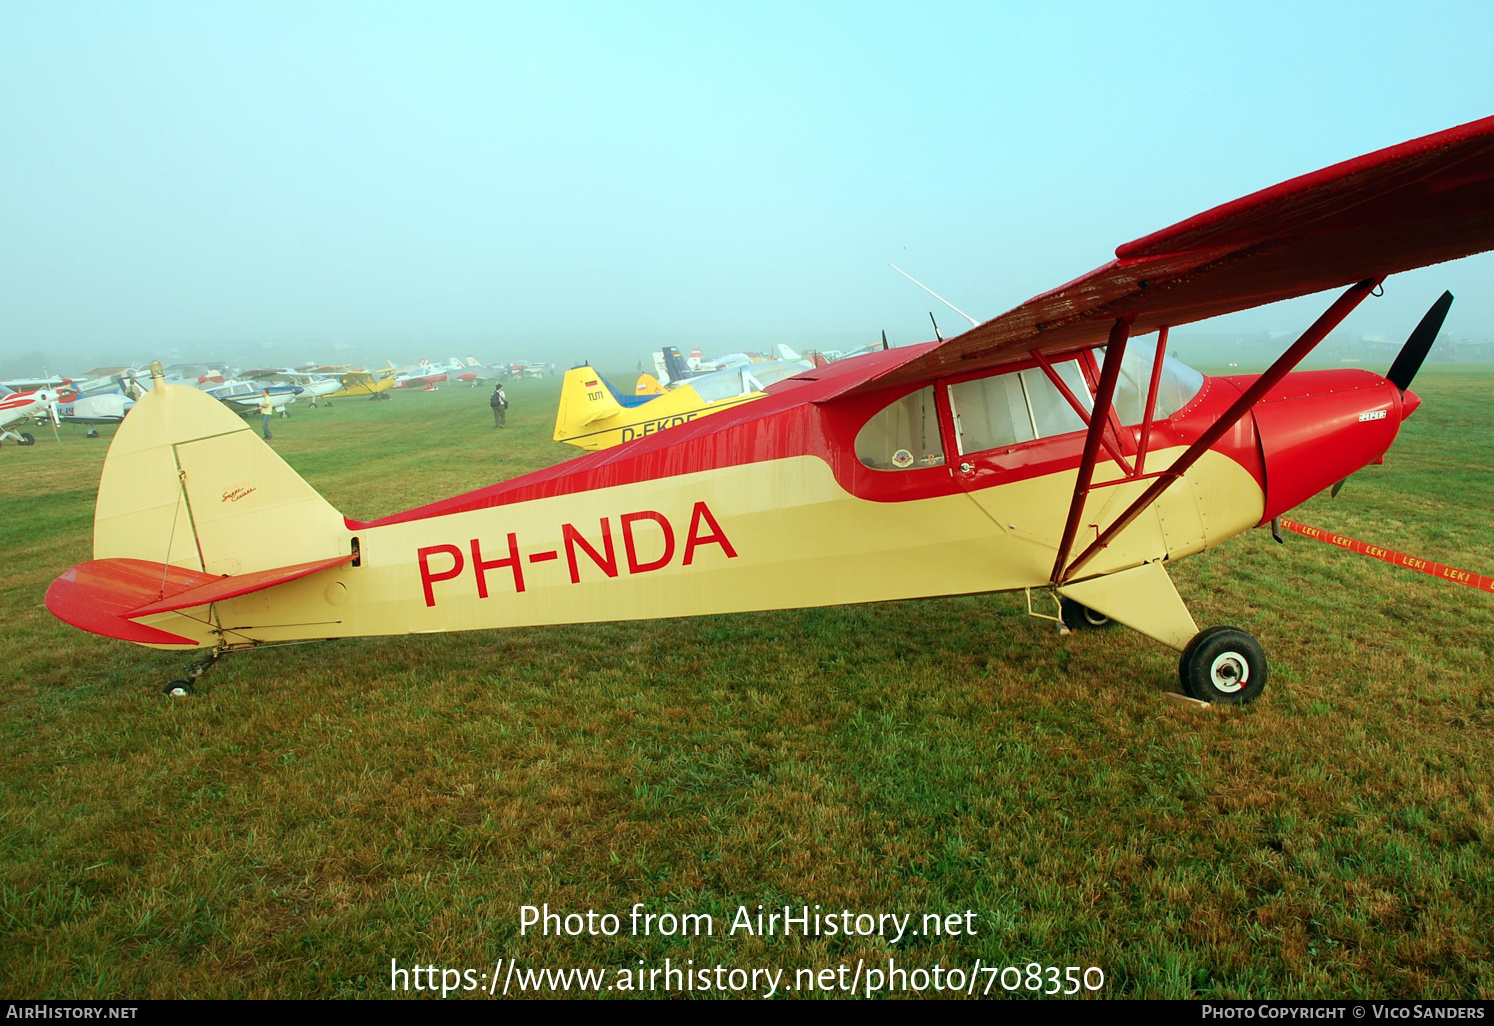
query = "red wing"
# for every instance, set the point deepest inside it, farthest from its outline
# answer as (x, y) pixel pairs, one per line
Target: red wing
(1422, 202)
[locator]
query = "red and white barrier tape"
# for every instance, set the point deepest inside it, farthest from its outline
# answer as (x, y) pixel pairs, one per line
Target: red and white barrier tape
(1426, 566)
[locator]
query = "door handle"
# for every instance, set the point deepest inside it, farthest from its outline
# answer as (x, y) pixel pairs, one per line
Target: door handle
(967, 468)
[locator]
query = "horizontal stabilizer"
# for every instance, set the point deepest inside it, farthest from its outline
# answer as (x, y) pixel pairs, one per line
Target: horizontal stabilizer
(221, 589)
(95, 596)
(105, 596)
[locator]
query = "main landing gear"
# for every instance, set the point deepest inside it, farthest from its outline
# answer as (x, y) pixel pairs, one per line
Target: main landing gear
(1078, 617)
(187, 686)
(1223, 664)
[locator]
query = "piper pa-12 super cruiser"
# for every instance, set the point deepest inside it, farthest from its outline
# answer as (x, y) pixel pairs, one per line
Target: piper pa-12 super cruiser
(1055, 448)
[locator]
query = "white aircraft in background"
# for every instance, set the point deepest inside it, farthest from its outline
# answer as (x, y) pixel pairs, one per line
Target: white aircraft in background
(99, 408)
(243, 396)
(313, 385)
(18, 407)
(54, 383)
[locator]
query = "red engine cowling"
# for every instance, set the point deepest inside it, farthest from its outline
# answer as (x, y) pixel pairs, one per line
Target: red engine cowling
(1318, 427)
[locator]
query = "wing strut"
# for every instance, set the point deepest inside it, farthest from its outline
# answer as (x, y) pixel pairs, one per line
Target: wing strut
(1115, 351)
(1330, 319)
(1111, 447)
(1151, 401)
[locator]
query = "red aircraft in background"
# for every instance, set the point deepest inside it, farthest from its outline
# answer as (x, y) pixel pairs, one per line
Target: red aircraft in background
(1051, 449)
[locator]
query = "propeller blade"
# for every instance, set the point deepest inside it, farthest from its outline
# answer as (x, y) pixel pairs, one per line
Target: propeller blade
(1334, 493)
(1408, 361)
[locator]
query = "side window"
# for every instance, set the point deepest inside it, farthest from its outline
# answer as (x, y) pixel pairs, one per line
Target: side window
(1006, 409)
(904, 435)
(1051, 412)
(990, 412)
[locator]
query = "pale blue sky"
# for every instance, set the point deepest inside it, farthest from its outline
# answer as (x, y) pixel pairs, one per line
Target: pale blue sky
(581, 178)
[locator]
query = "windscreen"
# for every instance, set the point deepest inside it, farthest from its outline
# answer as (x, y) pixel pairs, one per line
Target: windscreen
(1179, 384)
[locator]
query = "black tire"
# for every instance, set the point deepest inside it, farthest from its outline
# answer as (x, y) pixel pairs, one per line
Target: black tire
(1077, 617)
(1223, 664)
(27, 438)
(179, 689)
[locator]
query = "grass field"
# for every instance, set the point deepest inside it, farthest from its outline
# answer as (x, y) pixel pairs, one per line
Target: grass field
(317, 810)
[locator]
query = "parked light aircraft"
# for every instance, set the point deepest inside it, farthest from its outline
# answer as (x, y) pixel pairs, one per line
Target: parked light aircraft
(243, 397)
(424, 377)
(374, 384)
(1044, 450)
(313, 385)
(99, 408)
(18, 407)
(594, 415)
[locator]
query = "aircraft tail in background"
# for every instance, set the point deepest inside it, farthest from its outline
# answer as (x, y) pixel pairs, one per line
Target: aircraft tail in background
(675, 364)
(648, 385)
(584, 399)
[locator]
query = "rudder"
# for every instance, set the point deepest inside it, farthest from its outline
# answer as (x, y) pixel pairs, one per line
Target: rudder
(188, 483)
(584, 400)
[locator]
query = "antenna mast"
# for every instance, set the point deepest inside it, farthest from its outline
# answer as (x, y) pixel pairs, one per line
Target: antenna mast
(973, 322)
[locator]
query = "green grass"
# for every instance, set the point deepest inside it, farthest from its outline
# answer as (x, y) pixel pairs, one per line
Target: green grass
(320, 809)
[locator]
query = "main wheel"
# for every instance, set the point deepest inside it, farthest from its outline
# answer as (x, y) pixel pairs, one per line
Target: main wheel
(27, 438)
(1080, 617)
(179, 689)
(1223, 664)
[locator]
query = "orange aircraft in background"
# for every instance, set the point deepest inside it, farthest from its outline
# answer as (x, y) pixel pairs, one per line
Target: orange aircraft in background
(1050, 449)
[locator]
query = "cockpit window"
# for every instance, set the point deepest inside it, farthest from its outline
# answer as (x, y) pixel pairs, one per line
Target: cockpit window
(1005, 409)
(904, 435)
(1179, 384)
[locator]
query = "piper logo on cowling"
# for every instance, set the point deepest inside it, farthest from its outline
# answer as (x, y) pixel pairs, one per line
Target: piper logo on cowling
(1372, 415)
(659, 552)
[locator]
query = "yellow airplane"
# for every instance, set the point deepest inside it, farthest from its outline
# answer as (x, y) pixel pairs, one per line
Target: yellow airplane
(370, 383)
(594, 415)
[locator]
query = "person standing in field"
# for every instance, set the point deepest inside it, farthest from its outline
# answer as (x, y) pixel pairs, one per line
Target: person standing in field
(499, 403)
(266, 410)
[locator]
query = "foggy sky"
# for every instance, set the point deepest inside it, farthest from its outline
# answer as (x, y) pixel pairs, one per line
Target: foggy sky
(584, 181)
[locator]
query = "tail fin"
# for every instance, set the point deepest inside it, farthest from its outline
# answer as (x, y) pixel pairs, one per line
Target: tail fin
(675, 364)
(584, 399)
(648, 385)
(187, 483)
(788, 354)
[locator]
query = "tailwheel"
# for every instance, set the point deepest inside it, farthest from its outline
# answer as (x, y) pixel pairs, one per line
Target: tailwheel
(188, 686)
(1080, 617)
(1223, 664)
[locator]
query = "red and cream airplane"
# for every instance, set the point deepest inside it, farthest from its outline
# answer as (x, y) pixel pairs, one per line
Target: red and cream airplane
(18, 407)
(1050, 449)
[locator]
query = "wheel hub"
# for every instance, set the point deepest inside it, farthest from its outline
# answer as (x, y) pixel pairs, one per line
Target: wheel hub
(1230, 672)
